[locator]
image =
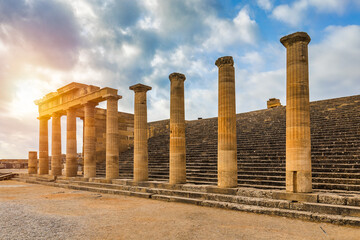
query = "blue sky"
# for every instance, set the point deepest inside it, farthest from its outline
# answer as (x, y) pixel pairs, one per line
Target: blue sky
(46, 44)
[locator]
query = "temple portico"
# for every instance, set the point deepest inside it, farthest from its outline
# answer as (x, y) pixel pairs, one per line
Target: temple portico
(77, 100)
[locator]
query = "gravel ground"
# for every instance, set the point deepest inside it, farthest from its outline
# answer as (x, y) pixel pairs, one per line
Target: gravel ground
(19, 221)
(29, 211)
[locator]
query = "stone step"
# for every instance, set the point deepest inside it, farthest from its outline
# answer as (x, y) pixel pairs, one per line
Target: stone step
(337, 214)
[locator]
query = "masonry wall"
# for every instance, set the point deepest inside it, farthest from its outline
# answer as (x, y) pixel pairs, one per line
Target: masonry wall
(13, 163)
(126, 133)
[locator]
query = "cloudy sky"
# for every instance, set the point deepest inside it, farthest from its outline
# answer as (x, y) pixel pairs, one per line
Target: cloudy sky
(46, 44)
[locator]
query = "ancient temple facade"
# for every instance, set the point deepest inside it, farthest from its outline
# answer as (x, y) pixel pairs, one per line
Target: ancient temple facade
(100, 126)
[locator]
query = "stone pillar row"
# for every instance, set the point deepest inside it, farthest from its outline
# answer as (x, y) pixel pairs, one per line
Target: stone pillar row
(298, 144)
(112, 143)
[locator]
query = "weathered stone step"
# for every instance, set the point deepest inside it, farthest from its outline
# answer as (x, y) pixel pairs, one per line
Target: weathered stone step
(333, 186)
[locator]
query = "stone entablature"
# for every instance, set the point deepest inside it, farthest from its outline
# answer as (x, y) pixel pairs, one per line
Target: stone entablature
(73, 95)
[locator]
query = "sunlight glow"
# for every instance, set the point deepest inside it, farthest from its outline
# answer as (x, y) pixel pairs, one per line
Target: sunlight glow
(26, 92)
(3, 47)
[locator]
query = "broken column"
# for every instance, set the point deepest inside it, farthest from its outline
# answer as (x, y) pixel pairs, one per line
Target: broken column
(112, 138)
(89, 141)
(43, 146)
(227, 159)
(71, 147)
(298, 143)
(140, 133)
(177, 129)
(56, 162)
(32, 164)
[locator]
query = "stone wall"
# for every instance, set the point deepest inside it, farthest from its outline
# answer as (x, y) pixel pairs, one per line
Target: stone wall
(158, 128)
(126, 133)
(13, 163)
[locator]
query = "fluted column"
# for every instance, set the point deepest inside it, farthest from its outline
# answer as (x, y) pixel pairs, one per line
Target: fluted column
(298, 143)
(71, 147)
(32, 164)
(140, 133)
(177, 129)
(43, 146)
(112, 138)
(89, 141)
(227, 160)
(56, 164)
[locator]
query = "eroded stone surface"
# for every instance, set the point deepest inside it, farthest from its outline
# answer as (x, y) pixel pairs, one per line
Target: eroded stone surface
(298, 142)
(227, 159)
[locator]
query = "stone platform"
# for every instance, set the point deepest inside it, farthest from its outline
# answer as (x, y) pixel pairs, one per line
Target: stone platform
(335, 208)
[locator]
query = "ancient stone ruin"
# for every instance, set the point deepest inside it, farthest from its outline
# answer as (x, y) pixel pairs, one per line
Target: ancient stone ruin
(106, 133)
(287, 156)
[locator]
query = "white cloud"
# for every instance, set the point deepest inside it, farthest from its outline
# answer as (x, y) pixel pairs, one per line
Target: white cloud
(225, 33)
(330, 6)
(265, 4)
(334, 63)
(254, 59)
(255, 88)
(293, 14)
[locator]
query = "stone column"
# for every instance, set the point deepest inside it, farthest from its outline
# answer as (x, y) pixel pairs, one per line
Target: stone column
(140, 133)
(71, 147)
(177, 129)
(32, 164)
(89, 141)
(227, 160)
(298, 144)
(43, 146)
(56, 162)
(112, 138)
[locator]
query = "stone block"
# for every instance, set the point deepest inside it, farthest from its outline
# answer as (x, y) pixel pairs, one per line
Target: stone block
(353, 201)
(298, 197)
(329, 198)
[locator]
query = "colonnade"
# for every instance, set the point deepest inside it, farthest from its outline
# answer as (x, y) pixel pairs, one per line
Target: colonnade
(112, 143)
(298, 148)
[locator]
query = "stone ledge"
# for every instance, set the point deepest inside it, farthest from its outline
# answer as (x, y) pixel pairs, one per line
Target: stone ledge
(298, 197)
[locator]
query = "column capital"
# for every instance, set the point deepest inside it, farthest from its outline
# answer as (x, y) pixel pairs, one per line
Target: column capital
(290, 39)
(177, 76)
(140, 88)
(115, 97)
(44, 118)
(56, 115)
(224, 60)
(90, 104)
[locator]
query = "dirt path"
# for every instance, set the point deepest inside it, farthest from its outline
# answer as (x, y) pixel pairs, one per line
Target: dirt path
(29, 210)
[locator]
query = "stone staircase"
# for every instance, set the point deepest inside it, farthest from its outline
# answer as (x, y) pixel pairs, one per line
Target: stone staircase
(335, 143)
(7, 176)
(333, 208)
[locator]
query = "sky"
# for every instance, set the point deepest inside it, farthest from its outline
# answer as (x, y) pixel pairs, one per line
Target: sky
(46, 44)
